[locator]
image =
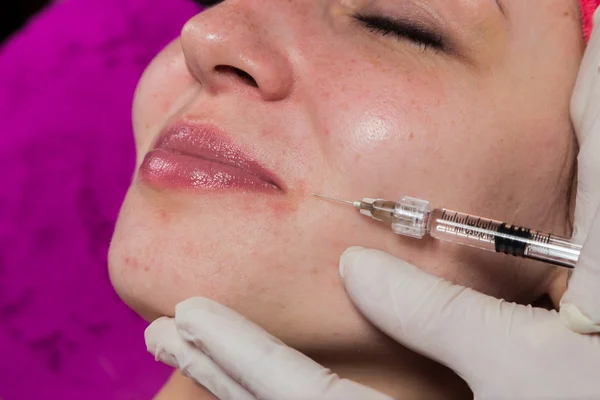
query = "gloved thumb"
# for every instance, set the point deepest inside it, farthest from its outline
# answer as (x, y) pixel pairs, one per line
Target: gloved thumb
(465, 330)
(579, 308)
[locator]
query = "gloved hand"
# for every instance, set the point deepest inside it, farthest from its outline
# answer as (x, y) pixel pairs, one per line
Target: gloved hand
(502, 350)
(580, 306)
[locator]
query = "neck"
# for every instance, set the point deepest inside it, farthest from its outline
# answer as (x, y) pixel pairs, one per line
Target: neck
(400, 374)
(180, 387)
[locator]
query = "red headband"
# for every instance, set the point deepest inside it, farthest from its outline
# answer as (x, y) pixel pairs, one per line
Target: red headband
(587, 14)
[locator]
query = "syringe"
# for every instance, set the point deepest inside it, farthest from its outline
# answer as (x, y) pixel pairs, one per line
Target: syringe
(415, 218)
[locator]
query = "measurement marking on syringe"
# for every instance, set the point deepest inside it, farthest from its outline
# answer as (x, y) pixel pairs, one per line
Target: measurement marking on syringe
(493, 234)
(464, 225)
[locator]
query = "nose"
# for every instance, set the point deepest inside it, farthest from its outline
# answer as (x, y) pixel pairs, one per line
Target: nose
(226, 49)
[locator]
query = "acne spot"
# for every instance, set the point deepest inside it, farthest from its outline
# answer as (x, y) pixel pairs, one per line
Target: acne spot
(163, 215)
(146, 268)
(131, 263)
(411, 136)
(327, 132)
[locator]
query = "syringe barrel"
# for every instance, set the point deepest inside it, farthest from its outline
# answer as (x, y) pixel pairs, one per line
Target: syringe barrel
(554, 249)
(464, 229)
(500, 237)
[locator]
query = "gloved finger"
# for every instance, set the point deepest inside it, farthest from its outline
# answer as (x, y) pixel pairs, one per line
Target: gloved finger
(580, 306)
(588, 184)
(465, 330)
(585, 113)
(164, 342)
(587, 84)
(261, 363)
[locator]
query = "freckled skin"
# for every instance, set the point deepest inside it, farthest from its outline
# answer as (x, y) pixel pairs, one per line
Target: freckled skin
(340, 110)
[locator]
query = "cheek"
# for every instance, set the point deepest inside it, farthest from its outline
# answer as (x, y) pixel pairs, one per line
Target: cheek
(408, 138)
(160, 92)
(385, 148)
(388, 115)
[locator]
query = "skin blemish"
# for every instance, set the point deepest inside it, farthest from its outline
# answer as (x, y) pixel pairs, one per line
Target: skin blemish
(266, 133)
(376, 62)
(411, 136)
(281, 210)
(189, 248)
(163, 215)
(131, 263)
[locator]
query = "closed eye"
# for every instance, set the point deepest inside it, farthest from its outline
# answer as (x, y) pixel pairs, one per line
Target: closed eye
(417, 34)
(208, 3)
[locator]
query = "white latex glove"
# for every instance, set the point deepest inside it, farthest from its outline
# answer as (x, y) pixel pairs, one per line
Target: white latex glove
(580, 306)
(502, 350)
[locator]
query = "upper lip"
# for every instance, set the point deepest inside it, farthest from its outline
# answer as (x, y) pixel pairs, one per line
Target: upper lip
(209, 143)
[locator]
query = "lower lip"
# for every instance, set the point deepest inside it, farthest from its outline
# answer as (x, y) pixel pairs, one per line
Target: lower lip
(165, 168)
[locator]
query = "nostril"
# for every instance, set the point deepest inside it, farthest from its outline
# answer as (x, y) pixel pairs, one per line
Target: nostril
(246, 77)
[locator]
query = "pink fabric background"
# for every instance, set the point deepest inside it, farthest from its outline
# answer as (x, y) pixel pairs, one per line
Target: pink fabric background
(587, 13)
(66, 156)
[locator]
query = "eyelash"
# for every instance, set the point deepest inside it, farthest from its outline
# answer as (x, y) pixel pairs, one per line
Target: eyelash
(207, 3)
(420, 36)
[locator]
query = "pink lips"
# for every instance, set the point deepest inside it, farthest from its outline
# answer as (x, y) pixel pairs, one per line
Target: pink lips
(201, 157)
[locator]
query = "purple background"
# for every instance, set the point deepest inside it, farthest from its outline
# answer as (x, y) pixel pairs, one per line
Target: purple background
(66, 157)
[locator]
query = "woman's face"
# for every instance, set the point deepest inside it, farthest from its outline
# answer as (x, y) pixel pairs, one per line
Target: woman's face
(260, 103)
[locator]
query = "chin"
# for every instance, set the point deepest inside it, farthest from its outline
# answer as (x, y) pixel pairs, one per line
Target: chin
(132, 278)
